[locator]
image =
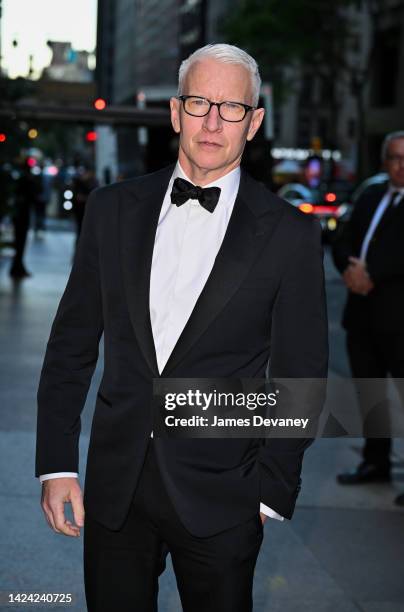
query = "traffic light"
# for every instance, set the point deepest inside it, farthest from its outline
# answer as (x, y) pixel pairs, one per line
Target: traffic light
(91, 136)
(100, 104)
(3, 137)
(330, 197)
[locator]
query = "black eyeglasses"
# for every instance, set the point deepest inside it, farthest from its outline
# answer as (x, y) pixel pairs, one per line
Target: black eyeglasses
(395, 159)
(228, 111)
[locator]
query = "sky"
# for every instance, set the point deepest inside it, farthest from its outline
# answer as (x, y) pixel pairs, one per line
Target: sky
(33, 22)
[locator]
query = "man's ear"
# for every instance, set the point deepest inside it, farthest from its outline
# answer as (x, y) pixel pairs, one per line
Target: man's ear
(175, 114)
(257, 118)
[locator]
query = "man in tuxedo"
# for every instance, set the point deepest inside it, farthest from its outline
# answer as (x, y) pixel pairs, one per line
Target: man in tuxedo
(369, 256)
(195, 271)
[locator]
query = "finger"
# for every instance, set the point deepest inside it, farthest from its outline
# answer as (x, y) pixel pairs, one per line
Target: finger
(70, 524)
(47, 510)
(60, 521)
(78, 509)
(50, 519)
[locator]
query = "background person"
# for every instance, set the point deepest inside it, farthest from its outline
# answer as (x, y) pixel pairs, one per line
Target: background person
(369, 255)
(83, 184)
(27, 193)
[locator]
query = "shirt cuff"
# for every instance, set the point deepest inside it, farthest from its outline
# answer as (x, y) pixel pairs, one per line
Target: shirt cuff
(271, 513)
(58, 475)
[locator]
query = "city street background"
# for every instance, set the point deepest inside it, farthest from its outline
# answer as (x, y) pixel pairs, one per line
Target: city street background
(84, 98)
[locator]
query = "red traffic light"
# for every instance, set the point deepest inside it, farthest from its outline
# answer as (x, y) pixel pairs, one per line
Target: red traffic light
(100, 104)
(3, 137)
(91, 136)
(330, 197)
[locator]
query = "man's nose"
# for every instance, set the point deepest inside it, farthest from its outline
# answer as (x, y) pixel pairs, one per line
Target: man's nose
(213, 121)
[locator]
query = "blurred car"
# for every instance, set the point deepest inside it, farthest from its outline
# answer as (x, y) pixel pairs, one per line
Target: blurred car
(324, 204)
(350, 202)
(333, 206)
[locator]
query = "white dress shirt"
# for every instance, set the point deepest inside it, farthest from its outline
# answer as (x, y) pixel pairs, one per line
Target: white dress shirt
(187, 240)
(378, 214)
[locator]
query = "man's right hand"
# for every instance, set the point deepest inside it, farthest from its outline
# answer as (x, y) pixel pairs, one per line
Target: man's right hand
(356, 277)
(55, 493)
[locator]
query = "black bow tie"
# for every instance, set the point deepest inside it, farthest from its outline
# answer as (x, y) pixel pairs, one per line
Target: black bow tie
(183, 191)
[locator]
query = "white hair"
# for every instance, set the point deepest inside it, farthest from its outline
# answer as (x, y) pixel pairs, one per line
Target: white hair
(387, 140)
(228, 54)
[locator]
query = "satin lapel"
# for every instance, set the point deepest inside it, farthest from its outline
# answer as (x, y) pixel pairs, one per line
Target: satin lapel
(252, 221)
(139, 213)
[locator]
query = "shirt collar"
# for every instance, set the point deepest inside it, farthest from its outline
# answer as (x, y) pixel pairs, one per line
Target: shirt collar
(393, 189)
(229, 183)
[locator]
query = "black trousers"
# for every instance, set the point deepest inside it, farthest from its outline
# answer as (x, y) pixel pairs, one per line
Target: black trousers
(374, 355)
(121, 568)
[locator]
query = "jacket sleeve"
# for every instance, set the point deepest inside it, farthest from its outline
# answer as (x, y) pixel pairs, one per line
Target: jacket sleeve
(343, 248)
(299, 350)
(71, 355)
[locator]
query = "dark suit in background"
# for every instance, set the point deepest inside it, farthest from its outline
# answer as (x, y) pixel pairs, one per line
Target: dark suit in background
(375, 322)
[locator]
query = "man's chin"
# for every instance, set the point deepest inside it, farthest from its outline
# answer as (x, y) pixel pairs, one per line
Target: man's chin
(209, 160)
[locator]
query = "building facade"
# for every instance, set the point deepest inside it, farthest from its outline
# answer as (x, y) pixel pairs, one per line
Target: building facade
(385, 90)
(369, 95)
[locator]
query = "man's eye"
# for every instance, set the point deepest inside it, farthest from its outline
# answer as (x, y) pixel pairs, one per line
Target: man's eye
(199, 102)
(232, 105)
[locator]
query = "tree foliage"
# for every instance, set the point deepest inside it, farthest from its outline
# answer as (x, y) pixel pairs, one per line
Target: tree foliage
(281, 33)
(321, 38)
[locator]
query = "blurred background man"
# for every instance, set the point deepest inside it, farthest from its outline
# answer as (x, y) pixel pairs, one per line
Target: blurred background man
(369, 256)
(83, 185)
(27, 195)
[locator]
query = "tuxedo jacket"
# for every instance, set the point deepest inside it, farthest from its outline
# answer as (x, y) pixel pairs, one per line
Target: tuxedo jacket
(263, 301)
(382, 309)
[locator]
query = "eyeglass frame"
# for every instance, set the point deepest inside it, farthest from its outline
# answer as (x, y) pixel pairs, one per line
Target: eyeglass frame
(395, 159)
(247, 107)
